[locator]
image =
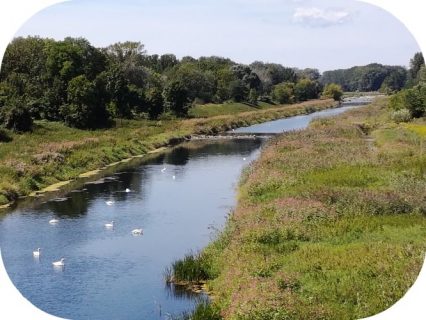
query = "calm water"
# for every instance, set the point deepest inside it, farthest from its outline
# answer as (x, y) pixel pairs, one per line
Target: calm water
(293, 123)
(111, 274)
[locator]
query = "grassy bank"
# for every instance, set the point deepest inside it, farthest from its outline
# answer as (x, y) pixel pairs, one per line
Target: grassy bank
(211, 109)
(54, 152)
(330, 223)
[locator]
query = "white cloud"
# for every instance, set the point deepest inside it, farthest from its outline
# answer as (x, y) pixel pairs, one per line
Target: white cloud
(315, 17)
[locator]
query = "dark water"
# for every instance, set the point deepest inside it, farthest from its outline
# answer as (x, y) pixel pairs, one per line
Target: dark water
(111, 274)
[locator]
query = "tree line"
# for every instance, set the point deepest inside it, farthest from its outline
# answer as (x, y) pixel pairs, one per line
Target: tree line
(372, 77)
(87, 87)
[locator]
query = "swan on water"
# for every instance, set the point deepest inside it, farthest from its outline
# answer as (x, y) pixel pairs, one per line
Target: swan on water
(163, 170)
(174, 177)
(136, 232)
(128, 190)
(36, 253)
(109, 225)
(53, 221)
(59, 263)
(244, 159)
(109, 202)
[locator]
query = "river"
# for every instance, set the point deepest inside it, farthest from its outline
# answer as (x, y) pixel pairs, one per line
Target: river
(180, 198)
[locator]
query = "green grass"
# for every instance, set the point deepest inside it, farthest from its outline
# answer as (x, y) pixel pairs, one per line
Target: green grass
(228, 108)
(327, 225)
(191, 269)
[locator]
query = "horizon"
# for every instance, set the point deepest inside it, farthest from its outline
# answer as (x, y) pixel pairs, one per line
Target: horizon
(253, 32)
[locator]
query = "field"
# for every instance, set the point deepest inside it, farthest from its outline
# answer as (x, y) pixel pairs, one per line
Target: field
(330, 223)
(53, 152)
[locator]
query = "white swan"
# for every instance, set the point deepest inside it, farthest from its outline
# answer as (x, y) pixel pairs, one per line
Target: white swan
(137, 232)
(244, 159)
(109, 202)
(164, 169)
(174, 177)
(36, 253)
(53, 221)
(59, 263)
(109, 225)
(128, 190)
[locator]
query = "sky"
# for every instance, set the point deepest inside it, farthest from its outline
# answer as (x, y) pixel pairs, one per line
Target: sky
(323, 34)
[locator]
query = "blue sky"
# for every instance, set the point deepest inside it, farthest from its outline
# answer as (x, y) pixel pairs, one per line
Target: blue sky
(326, 34)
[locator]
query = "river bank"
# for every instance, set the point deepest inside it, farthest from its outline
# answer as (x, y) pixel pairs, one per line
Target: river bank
(53, 154)
(330, 223)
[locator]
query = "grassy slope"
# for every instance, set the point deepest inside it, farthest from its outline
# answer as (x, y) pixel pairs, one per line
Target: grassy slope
(328, 224)
(53, 152)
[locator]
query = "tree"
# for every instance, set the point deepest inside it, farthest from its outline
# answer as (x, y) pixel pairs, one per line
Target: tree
(238, 91)
(253, 96)
(416, 64)
(82, 110)
(415, 101)
(309, 73)
(333, 91)
(283, 93)
(198, 84)
(176, 98)
(126, 52)
(306, 89)
(155, 102)
(117, 87)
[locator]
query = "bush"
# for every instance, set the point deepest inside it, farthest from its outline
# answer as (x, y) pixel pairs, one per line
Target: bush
(414, 100)
(333, 91)
(283, 93)
(402, 115)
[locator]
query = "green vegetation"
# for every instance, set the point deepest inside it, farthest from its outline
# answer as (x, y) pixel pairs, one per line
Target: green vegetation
(333, 91)
(212, 109)
(89, 88)
(203, 311)
(53, 152)
(373, 77)
(328, 225)
(411, 102)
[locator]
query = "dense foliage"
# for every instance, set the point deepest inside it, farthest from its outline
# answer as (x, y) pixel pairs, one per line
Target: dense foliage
(333, 91)
(86, 87)
(372, 77)
(411, 101)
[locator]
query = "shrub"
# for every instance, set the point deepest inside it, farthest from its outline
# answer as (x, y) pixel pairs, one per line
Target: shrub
(283, 93)
(333, 91)
(402, 115)
(415, 99)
